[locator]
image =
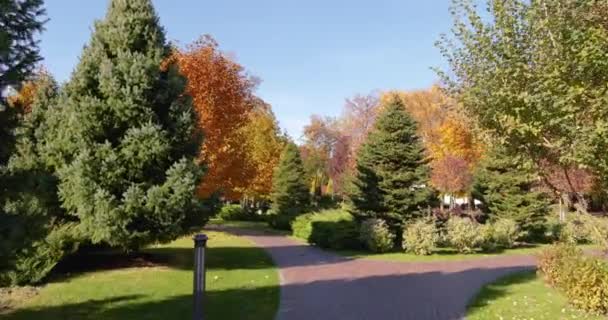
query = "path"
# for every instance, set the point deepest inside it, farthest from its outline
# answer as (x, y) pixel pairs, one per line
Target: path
(317, 285)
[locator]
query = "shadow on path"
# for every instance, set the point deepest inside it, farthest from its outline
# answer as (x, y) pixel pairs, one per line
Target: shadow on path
(416, 296)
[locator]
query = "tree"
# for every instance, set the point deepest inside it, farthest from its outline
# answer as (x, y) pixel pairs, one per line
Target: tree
(122, 142)
(223, 98)
(20, 21)
(452, 176)
(533, 75)
(264, 145)
(391, 181)
(358, 119)
(290, 196)
(508, 189)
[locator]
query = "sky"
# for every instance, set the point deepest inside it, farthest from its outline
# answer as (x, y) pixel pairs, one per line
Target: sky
(310, 54)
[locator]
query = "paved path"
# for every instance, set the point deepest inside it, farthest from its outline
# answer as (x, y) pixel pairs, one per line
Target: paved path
(317, 285)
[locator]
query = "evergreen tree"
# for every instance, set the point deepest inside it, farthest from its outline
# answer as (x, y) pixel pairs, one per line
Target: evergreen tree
(391, 180)
(121, 140)
(506, 188)
(20, 21)
(290, 196)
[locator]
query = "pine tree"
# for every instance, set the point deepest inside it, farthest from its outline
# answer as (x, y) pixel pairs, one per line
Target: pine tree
(20, 21)
(391, 180)
(121, 140)
(290, 196)
(506, 188)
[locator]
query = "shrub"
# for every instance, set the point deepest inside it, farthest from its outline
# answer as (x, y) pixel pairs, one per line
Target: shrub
(597, 230)
(376, 236)
(487, 240)
(583, 279)
(281, 221)
(420, 237)
(574, 230)
(333, 229)
(505, 232)
(463, 234)
(232, 212)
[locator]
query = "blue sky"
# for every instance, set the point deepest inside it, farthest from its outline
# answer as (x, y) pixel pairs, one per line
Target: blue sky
(310, 55)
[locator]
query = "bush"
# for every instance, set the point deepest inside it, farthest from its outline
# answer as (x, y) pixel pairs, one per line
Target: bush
(281, 221)
(334, 229)
(376, 236)
(583, 279)
(505, 232)
(464, 235)
(420, 237)
(575, 230)
(232, 212)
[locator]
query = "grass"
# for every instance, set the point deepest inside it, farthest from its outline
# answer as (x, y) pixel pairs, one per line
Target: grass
(522, 296)
(242, 283)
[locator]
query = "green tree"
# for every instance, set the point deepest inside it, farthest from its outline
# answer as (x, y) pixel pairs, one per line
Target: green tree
(391, 181)
(506, 187)
(290, 196)
(20, 21)
(121, 141)
(534, 75)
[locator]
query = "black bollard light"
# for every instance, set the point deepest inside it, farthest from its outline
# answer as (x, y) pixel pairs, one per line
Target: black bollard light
(200, 242)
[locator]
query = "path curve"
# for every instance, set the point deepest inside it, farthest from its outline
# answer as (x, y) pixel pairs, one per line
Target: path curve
(318, 285)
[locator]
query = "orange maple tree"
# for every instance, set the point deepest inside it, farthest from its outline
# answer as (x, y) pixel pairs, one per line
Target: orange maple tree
(222, 94)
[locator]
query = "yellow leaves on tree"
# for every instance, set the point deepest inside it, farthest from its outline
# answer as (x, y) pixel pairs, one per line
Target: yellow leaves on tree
(222, 96)
(264, 146)
(22, 101)
(451, 144)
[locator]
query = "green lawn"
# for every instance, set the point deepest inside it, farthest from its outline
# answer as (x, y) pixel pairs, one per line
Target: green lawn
(242, 283)
(522, 296)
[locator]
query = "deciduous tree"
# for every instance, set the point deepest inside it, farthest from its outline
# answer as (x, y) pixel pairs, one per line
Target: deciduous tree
(222, 94)
(533, 75)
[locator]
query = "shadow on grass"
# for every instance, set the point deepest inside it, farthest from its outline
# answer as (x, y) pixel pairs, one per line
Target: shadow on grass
(255, 304)
(499, 289)
(423, 295)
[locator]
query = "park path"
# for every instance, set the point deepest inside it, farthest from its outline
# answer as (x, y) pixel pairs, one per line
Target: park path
(318, 285)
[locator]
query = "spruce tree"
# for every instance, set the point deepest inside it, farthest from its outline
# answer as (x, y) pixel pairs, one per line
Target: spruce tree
(506, 187)
(391, 178)
(121, 140)
(290, 196)
(30, 244)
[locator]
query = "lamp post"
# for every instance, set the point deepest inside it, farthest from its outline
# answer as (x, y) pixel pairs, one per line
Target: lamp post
(200, 242)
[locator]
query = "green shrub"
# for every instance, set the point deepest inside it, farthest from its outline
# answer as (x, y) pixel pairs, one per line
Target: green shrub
(302, 226)
(583, 279)
(376, 236)
(232, 212)
(281, 221)
(487, 241)
(333, 229)
(420, 237)
(505, 232)
(464, 235)
(597, 230)
(574, 230)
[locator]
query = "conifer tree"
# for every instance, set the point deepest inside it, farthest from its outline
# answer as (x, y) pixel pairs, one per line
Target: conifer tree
(506, 188)
(121, 140)
(391, 180)
(290, 196)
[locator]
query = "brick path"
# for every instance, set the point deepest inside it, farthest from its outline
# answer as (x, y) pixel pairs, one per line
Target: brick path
(317, 285)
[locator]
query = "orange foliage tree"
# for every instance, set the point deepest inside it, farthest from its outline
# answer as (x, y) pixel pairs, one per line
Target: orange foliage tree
(222, 94)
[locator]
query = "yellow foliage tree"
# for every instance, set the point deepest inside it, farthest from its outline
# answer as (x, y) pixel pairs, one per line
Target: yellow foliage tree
(264, 144)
